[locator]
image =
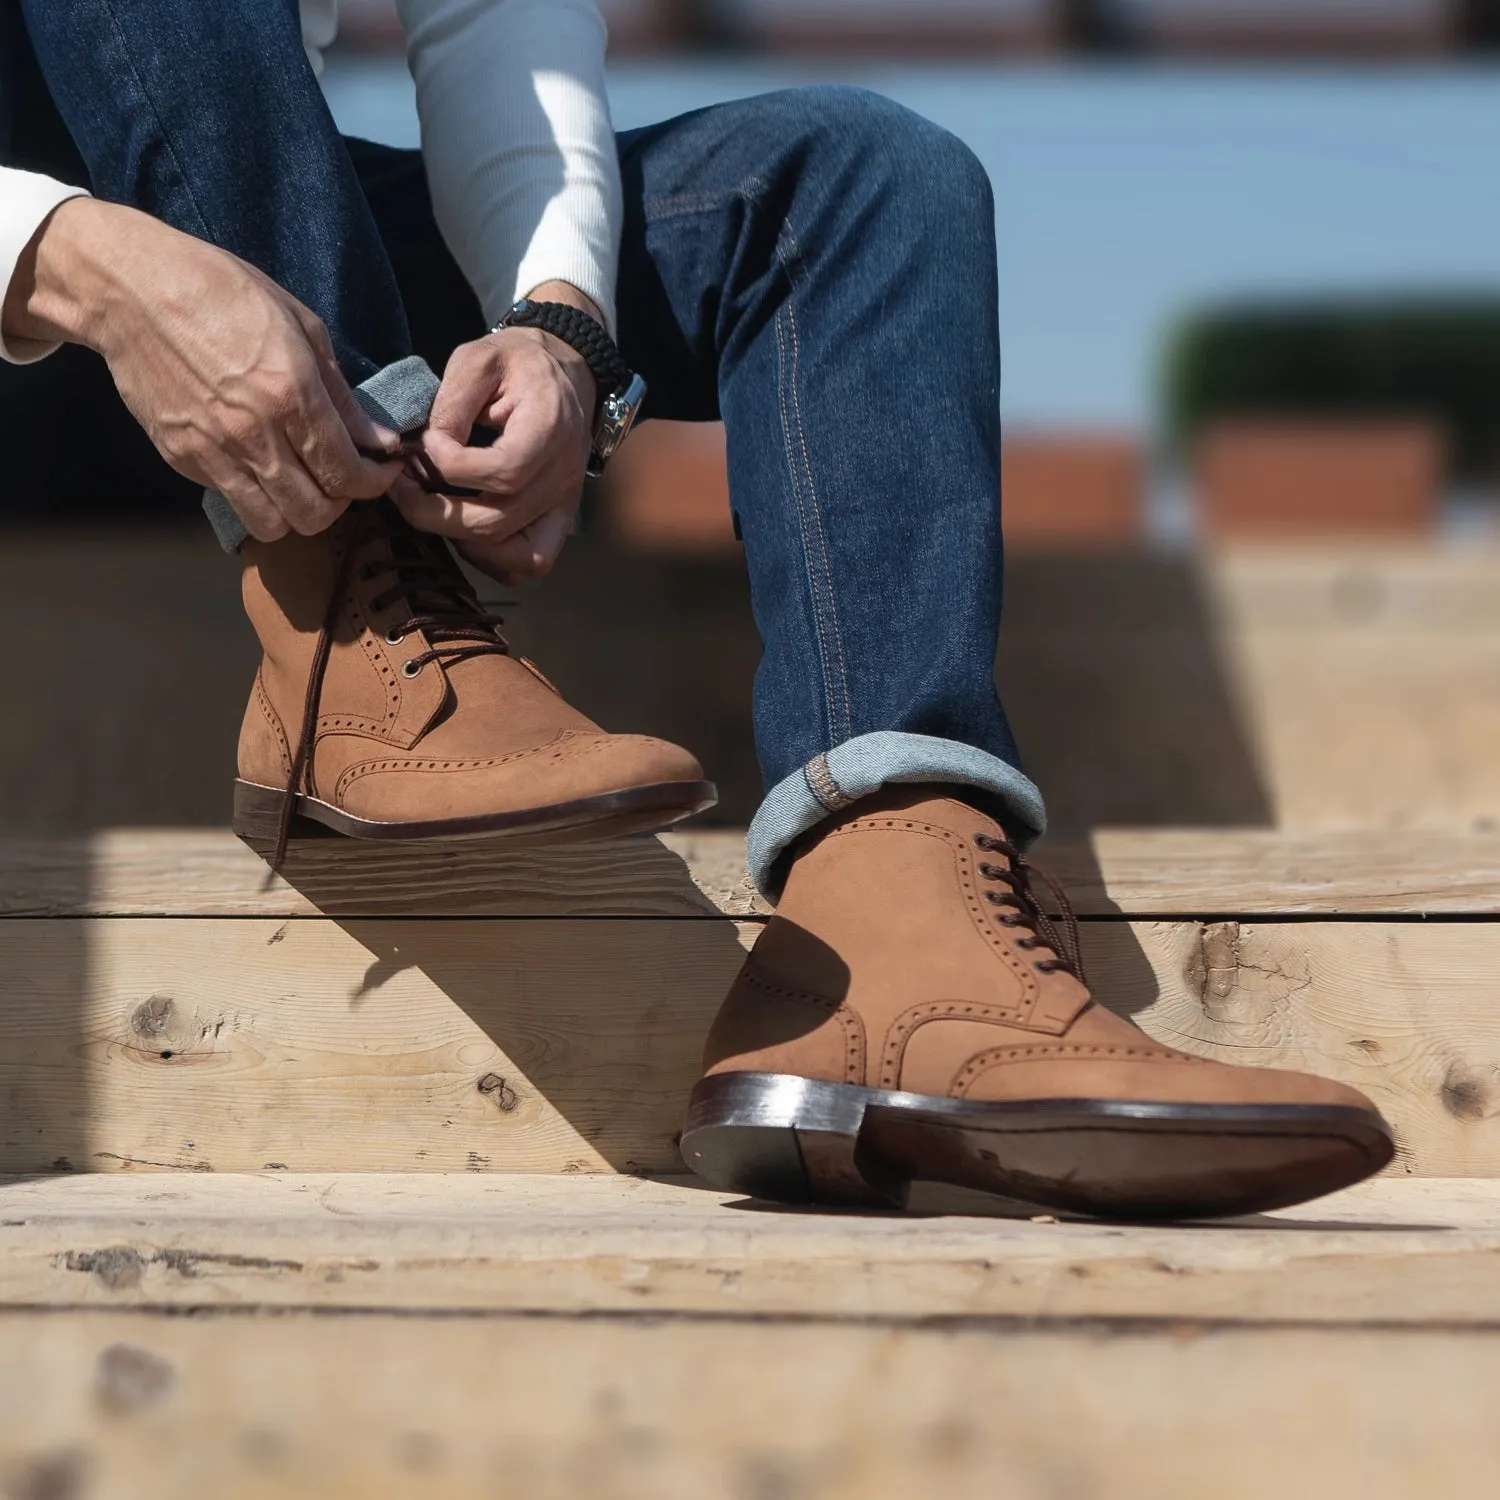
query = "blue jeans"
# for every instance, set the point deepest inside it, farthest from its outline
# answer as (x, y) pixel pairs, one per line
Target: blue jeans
(815, 267)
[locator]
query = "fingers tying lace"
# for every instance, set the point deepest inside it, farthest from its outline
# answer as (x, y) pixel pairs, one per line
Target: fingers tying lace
(439, 602)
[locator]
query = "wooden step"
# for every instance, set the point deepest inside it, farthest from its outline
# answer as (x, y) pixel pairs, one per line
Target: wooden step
(1395, 1251)
(395, 1407)
(584, 1336)
(465, 1009)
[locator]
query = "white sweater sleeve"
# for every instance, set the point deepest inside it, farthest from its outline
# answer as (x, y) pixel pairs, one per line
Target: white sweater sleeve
(26, 198)
(519, 146)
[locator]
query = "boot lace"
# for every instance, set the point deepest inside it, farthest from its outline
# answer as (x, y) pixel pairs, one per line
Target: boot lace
(1021, 908)
(440, 602)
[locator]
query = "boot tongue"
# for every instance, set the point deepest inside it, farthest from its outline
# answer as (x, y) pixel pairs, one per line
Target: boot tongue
(422, 571)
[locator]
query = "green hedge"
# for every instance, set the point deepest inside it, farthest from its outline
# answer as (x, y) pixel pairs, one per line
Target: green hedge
(1344, 358)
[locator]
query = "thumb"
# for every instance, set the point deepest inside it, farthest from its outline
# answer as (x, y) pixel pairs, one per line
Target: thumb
(470, 381)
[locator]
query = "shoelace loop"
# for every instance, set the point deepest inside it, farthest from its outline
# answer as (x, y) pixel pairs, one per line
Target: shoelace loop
(441, 604)
(1059, 931)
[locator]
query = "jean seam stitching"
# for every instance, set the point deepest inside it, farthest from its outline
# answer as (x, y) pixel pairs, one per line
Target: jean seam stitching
(672, 205)
(829, 709)
(814, 548)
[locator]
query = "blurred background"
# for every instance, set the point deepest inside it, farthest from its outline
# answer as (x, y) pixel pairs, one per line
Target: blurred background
(1217, 220)
(1249, 257)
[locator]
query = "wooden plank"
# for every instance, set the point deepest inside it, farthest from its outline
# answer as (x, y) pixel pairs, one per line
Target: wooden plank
(1404, 1011)
(1325, 689)
(194, 872)
(560, 1045)
(131, 713)
(380, 1407)
(439, 1045)
(1340, 688)
(1400, 1251)
(1266, 872)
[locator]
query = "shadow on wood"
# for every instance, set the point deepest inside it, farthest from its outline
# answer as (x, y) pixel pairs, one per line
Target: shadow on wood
(596, 1023)
(1117, 688)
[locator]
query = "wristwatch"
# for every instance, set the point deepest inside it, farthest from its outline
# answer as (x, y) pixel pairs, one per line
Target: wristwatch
(621, 390)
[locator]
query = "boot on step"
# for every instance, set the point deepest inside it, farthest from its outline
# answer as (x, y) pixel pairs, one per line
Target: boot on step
(914, 1011)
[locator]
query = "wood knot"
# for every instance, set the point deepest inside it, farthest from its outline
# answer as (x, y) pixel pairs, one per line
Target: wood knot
(153, 1018)
(1245, 977)
(63, 1475)
(118, 1268)
(1470, 1093)
(129, 1379)
(493, 1086)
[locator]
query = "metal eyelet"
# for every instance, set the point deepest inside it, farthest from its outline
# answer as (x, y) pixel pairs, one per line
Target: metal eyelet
(411, 668)
(394, 637)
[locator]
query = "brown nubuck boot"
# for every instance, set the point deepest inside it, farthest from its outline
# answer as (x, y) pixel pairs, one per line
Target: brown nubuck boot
(912, 1012)
(388, 706)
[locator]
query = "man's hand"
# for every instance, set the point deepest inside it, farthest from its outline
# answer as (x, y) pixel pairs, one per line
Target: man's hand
(540, 394)
(233, 379)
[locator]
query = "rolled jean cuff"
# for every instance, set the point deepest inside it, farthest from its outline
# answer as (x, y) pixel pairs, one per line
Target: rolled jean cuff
(831, 782)
(399, 397)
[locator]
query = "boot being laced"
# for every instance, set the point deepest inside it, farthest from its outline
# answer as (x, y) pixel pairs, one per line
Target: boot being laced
(443, 606)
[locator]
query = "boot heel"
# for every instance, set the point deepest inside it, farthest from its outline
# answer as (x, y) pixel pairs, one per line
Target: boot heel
(257, 814)
(788, 1139)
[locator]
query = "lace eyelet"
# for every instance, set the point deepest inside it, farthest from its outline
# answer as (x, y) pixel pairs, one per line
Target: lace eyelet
(411, 668)
(994, 898)
(394, 637)
(982, 841)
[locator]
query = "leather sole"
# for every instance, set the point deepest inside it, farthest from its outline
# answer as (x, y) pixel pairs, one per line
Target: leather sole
(637, 809)
(799, 1140)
